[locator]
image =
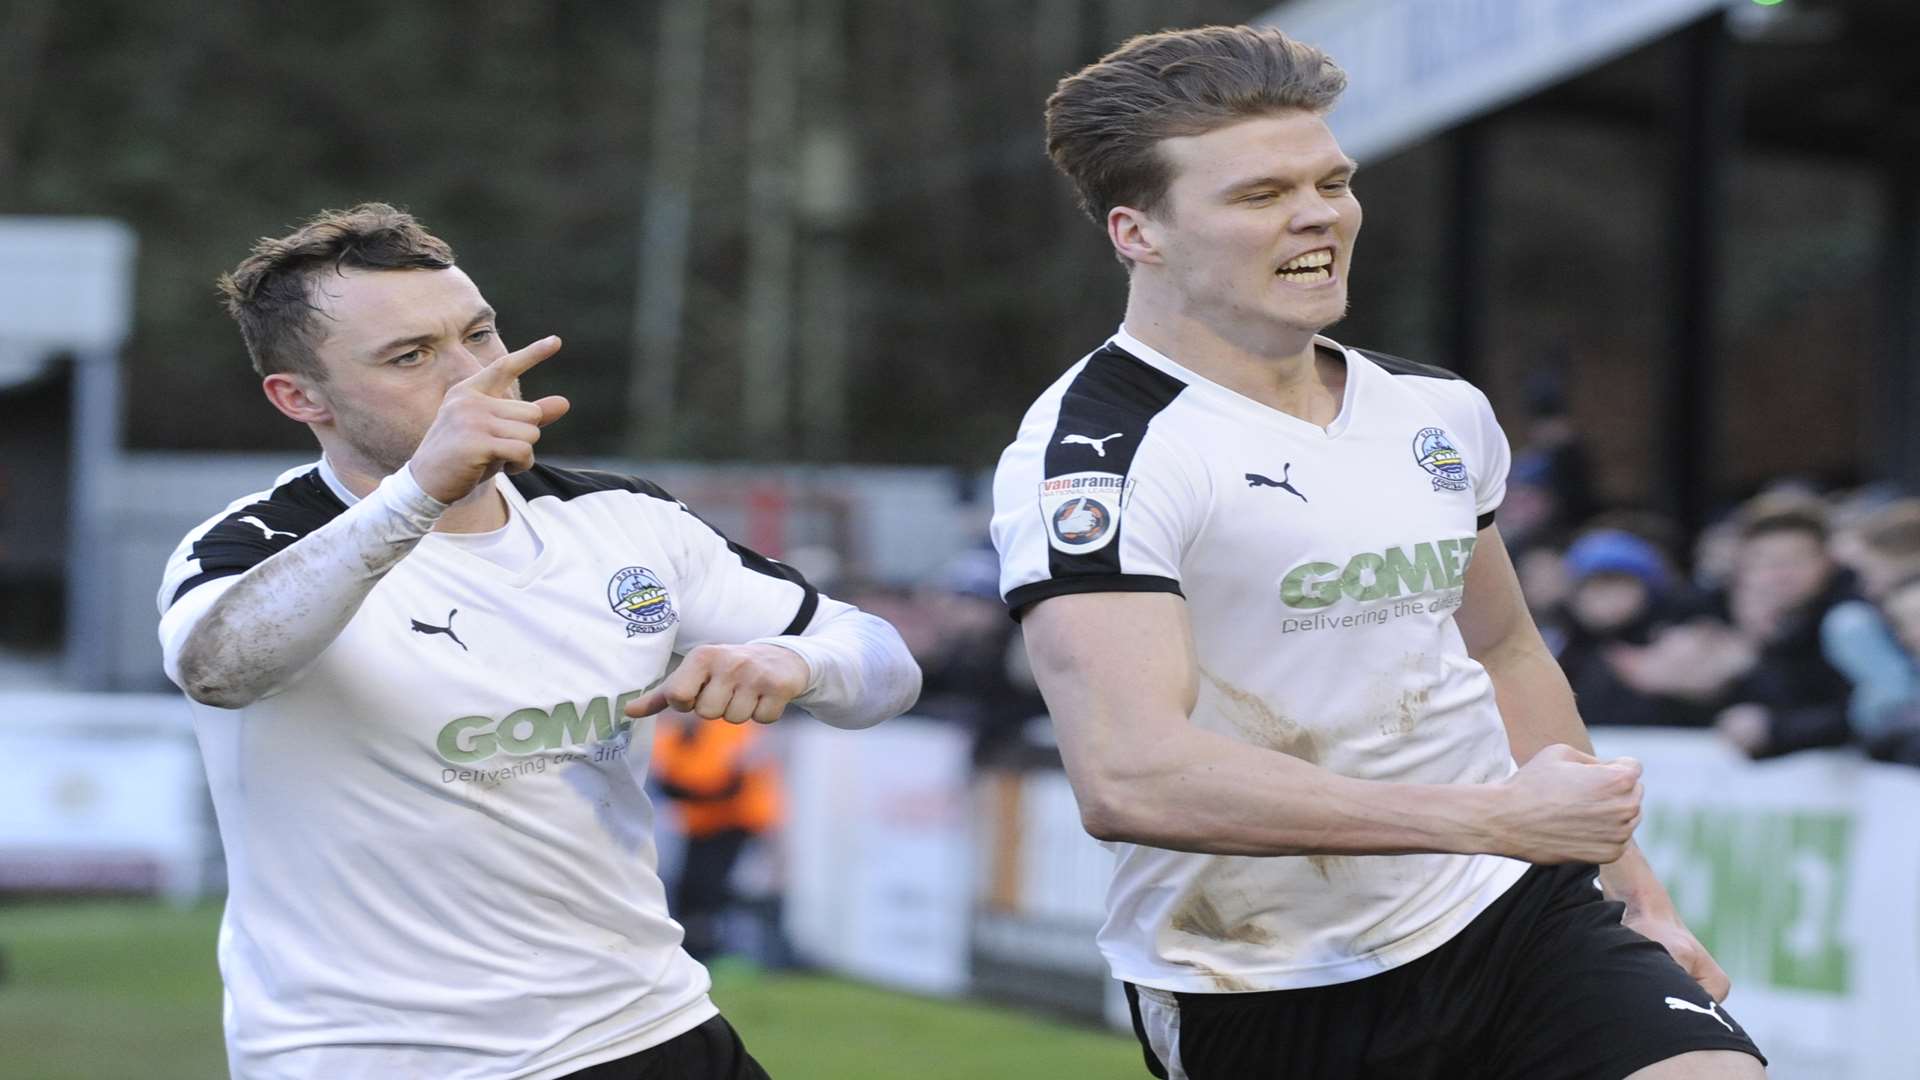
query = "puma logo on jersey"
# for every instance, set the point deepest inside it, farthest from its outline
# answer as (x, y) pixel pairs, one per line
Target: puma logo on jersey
(1254, 479)
(1712, 1009)
(1099, 445)
(427, 628)
(262, 526)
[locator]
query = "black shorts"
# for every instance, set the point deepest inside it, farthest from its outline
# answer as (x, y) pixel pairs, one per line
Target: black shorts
(1544, 985)
(712, 1051)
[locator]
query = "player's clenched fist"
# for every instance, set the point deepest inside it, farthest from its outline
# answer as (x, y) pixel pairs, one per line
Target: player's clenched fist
(483, 426)
(735, 683)
(1565, 806)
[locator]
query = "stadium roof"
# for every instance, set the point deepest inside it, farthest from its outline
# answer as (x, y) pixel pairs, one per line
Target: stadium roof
(1824, 76)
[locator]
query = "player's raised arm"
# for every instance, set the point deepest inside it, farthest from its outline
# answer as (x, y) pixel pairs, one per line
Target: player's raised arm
(242, 638)
(1120, 679)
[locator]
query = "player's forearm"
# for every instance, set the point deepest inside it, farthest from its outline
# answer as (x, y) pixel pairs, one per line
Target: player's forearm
(1630, 879)
(1537, 706)
(862, 672)
(1207, 793)
(1535, 700)
(280, 615)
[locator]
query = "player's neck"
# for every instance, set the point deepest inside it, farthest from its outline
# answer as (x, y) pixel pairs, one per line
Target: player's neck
(483, 509)
(1275, 366)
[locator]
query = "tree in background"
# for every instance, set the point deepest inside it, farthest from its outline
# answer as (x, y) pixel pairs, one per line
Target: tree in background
(869, 216)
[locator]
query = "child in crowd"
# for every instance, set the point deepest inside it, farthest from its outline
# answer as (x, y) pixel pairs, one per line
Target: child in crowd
(1882, 549)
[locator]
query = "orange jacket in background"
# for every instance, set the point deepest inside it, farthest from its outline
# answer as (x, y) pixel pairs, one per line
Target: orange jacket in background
(700, 764)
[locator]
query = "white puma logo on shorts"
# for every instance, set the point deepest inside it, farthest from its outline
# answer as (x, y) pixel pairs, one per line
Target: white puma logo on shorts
(1712, 1009)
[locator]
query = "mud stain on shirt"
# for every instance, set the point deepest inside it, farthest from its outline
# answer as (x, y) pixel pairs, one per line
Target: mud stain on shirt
(1325, 865)
(1260, 723)
(1223, 982)
(1407, 713)
(1199, 916)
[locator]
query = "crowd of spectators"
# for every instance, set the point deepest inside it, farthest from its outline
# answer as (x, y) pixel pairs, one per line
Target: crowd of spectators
(1797, 625)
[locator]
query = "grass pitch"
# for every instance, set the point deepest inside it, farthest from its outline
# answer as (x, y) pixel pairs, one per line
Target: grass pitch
(122, 989)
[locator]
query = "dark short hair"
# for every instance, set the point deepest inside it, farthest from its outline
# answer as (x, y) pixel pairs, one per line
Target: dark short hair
(1105, 122)
(1806, 520)
(270, 293)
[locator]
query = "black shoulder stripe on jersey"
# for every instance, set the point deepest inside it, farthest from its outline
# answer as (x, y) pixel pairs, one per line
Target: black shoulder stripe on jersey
(1111, 402)
(1022, 599)
(1400, 365)
(545, 481)
(250, 535)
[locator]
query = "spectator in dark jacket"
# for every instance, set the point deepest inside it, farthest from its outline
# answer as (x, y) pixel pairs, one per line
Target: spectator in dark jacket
(1757, 661)
(973, 662)
(1620, 587)
(1784, 584)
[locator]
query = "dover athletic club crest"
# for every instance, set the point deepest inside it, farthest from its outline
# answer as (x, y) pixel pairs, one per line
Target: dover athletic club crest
(637, 596)
(1437, 454)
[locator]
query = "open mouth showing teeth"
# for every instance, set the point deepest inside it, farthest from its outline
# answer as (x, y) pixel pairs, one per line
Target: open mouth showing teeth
(1307, 269)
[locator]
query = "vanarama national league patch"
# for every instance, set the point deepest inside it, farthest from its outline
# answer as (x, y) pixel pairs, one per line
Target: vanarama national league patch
(1082, 510)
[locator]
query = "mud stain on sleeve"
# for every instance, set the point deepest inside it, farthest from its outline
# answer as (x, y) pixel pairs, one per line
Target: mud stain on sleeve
(1261, 724)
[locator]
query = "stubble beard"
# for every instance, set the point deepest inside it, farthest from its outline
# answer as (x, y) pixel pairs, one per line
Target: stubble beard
(388, 451)
(387, 448)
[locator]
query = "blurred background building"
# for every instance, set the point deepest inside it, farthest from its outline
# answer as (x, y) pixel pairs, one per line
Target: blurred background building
(811, 264)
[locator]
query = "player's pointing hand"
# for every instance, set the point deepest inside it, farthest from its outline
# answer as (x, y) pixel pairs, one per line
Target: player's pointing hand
(498, 378)
(483, 426)
(735, 683)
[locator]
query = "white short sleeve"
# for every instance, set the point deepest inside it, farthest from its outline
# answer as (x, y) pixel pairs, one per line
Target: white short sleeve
(1089, 498)
(1492, 457)
(731, 594)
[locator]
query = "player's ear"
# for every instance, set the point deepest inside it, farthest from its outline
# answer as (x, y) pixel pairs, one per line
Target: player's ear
(1134, 235)
(297, 396)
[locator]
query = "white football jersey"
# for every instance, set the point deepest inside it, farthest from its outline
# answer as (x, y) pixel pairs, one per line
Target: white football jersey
(440, 858)
(1320, 568)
